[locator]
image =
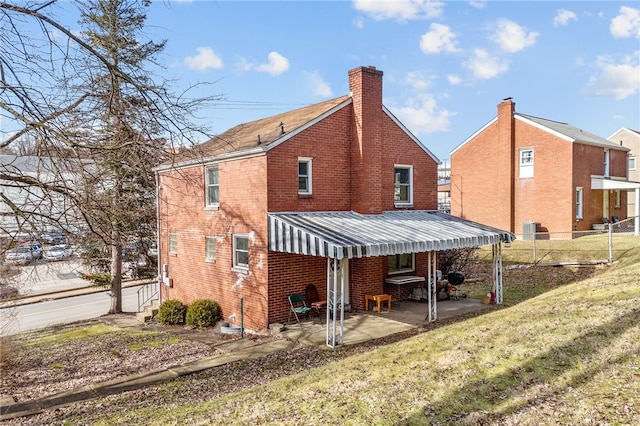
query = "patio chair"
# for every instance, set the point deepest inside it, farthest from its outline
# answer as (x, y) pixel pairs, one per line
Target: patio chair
(298, 307)
(314, 300)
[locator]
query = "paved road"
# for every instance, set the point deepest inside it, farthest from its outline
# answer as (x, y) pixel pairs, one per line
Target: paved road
(50, 310)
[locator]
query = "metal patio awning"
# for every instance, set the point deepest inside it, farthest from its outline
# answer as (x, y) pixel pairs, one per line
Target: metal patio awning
(339, 235)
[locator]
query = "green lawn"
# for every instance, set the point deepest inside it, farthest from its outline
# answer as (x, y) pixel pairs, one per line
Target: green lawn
(568, 356)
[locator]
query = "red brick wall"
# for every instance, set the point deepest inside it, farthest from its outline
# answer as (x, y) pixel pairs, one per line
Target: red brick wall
(327, 143)
(289, 274)
(182, 202)
(547, 197)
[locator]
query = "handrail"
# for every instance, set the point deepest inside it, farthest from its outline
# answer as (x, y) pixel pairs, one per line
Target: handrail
(146, 293)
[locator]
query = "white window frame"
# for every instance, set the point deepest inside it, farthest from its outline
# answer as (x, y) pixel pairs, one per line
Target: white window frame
(616, 199)
(633, 162)
(209, 186)
(579, 202)
(606, 162)
(210, 249)
(173, 243)
(397, 186)
(306, 177)
(237, 251)
(526, 162)
(402, 271)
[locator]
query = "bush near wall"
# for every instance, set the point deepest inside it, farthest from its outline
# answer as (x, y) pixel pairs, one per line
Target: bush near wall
(172, 312)
(203, 313)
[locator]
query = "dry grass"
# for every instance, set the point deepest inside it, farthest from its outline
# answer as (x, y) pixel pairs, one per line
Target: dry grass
(568, 355)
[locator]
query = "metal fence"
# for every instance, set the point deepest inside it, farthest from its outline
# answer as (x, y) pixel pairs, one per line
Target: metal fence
(603, 245)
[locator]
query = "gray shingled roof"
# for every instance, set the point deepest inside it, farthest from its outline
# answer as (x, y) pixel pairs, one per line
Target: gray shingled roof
(347, 234)
(578, 135)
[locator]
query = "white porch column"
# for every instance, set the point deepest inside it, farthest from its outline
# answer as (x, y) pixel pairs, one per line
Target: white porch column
(335, 302)
(497, 272)
(636, 227)
(432, 286)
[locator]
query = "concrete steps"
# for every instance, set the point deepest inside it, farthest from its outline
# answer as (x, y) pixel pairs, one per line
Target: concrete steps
(148, 312)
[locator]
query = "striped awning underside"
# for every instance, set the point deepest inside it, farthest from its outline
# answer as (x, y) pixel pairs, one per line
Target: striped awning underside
(340, 235)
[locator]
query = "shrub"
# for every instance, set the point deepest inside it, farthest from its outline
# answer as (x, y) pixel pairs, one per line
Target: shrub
(203, 313)
(171, 312)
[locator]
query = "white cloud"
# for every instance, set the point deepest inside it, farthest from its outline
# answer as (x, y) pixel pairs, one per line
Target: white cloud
(617, 80)
(277, 64)
(205, 59)
(563, 17)
(440, 38)
(485, 66)
(627, 23)
(511, 37)
(319, 86)
(358, 22)
(454, 80)
(417, 80)
(478, 4)
(400, 10)
(422, 116)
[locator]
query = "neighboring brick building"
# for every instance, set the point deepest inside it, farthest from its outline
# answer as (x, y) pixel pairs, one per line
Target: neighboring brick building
(519, 169)
(335, 194)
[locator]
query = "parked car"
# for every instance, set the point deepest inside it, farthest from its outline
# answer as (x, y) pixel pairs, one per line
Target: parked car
(54, 238)
(24, 253)
(58, 252)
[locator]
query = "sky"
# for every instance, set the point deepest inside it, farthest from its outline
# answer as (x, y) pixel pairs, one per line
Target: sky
(446, 65)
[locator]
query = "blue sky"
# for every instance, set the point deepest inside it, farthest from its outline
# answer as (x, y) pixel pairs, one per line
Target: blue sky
(446, 64)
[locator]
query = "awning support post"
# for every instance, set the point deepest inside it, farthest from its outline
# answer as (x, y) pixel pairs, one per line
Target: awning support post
(432, 286)
(497, 272)
(335, 302)
(636, 226)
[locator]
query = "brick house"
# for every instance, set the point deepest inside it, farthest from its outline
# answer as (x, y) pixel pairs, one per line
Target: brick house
(337, 194)
(520, 170)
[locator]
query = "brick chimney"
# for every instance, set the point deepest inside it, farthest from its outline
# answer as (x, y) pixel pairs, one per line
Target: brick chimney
(507, 163)
(365, 84)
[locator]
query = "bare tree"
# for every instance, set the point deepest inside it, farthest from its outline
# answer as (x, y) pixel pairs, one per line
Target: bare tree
(90, 103)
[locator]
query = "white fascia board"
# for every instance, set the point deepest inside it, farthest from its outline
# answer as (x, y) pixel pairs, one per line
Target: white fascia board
(254, 152)
(544, 128)
(411, 135)
(474, 135)
(308, 124)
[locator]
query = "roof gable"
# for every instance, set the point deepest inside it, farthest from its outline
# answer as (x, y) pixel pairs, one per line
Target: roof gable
(413, 138)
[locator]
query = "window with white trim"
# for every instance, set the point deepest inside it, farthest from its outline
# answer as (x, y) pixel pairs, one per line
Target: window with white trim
(616, 195)
(606, 162)
(241, 251)
(304, 176)
(173, 243)
(400, 263)
(213, 187)
(403, 188)
(632, 163)
(579, 202)
(526, 163)
(209, 249)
